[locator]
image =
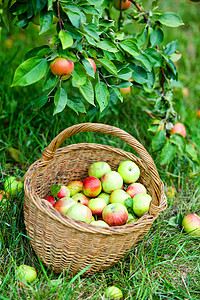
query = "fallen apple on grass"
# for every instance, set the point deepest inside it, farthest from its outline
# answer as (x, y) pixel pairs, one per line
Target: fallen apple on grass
(81, 198)
(75, 187)
(111, 181)
(64, 204)
(26, 273)
(91, 186)
(129, 171)
(98, 169)
(115, 214)
(12, 185)
(135, 188)
(96, 205)
(191, 224)
(80, 212)
(119, 196)
(141, 203)
(113, 292)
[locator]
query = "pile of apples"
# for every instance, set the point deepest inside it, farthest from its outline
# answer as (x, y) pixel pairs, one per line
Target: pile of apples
(105, 197)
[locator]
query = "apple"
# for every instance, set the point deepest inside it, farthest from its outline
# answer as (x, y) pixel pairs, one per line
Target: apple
(51, 200)
(62, 66)
(64, 204)
(191, 224)
(131, 218)
(119, 196)
(91, 186)
(125, 91)
(115, 214)
(113, 292)
(96, 205)
(141, 204)
(91, 61)
(129, 171)
(135, 188)
(125, 4)
(111, 181)
(75, 187)
(26, 273)
(80, 212)
(81, 198)
(98, 169)
(198, 113)
(60, 191)
(3, 195)
(99, 223)
(179, 128)
(12, 185)
(105, 196)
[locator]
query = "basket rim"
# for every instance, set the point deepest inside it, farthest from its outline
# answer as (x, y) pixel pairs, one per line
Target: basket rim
(44, 206)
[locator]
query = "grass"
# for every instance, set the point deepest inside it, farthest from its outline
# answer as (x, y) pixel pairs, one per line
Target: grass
(166, 264)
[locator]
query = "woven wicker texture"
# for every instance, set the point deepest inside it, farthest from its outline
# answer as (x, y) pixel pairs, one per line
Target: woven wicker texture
(65, 244)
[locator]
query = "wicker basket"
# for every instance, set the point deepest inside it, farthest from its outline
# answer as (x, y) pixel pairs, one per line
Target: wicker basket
(65, 244)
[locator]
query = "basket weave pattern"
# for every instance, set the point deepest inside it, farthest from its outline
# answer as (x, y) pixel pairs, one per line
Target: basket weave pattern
(65, 244)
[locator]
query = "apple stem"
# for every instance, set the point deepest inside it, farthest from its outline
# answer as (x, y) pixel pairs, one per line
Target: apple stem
(120, 16)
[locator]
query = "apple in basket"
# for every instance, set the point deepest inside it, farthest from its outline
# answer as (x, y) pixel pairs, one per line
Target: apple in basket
(75, 187)
(91, 186)
(80, 212)
(96, 205)
(191, 224)
(141, 204)
(99, 223)
(60, 191)
(115, 214)
(119, 196)
(64, 204)
(105, 196)
(129, 171)
(81, 198)
(135, 188)
(51, 200)
(98, 169)
(111, 181)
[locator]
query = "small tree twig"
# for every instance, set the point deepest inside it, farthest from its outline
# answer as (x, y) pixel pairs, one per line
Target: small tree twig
(141, 10)
(120, 16)
(163, 76)
(60, 20)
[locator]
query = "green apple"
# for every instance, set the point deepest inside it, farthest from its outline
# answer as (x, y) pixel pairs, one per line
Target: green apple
(141, 204)
(129, 171)
(99, 223)
(99, 168)
(119, 196)
(80, 212)
(105, 196)
(96, 205)
(12, 185)
(113, 292)
(27, 273)
(191, 224)
(111, 181)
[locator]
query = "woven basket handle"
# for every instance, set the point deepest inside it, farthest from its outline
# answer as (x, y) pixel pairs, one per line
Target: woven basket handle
(49, 152)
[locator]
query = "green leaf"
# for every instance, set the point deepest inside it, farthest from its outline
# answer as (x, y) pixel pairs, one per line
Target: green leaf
(167, 153)
(50, 81)
(30, 71)
(95, 2)
(38, 5)
(88, 9)
(191, 151)
(139, 74)
(73, 8)
(159, 140)
(88, 67)
(170, 19)
(170, 48)
(118, 93)
(145, 61)
(108, 65)
(55, 189)
(102, 95)
(60, 100)
(125, 73)
(40, 101)
(79, 74)
(92, 31)
(179, 141)
(37, 51)
(76, 105)
(156, 37)
(74, 18)
(87, 91)
(107, 45)
(130, 46)
(66, 39)
(129, 202)
(154, 57)
(46, 19)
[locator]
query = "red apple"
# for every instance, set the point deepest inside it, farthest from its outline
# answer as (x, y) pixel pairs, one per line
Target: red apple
(62, 66)
(81, 198)
(191, 224)
(64, 204)
(60, 191)
(92, 63)
(115, 214)
(135, 188)
(75, 187)
(125, 4)
(179, 128)
(51, 200)
(96, 205)
(91, 186)
(80, 212)
(111, 181)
